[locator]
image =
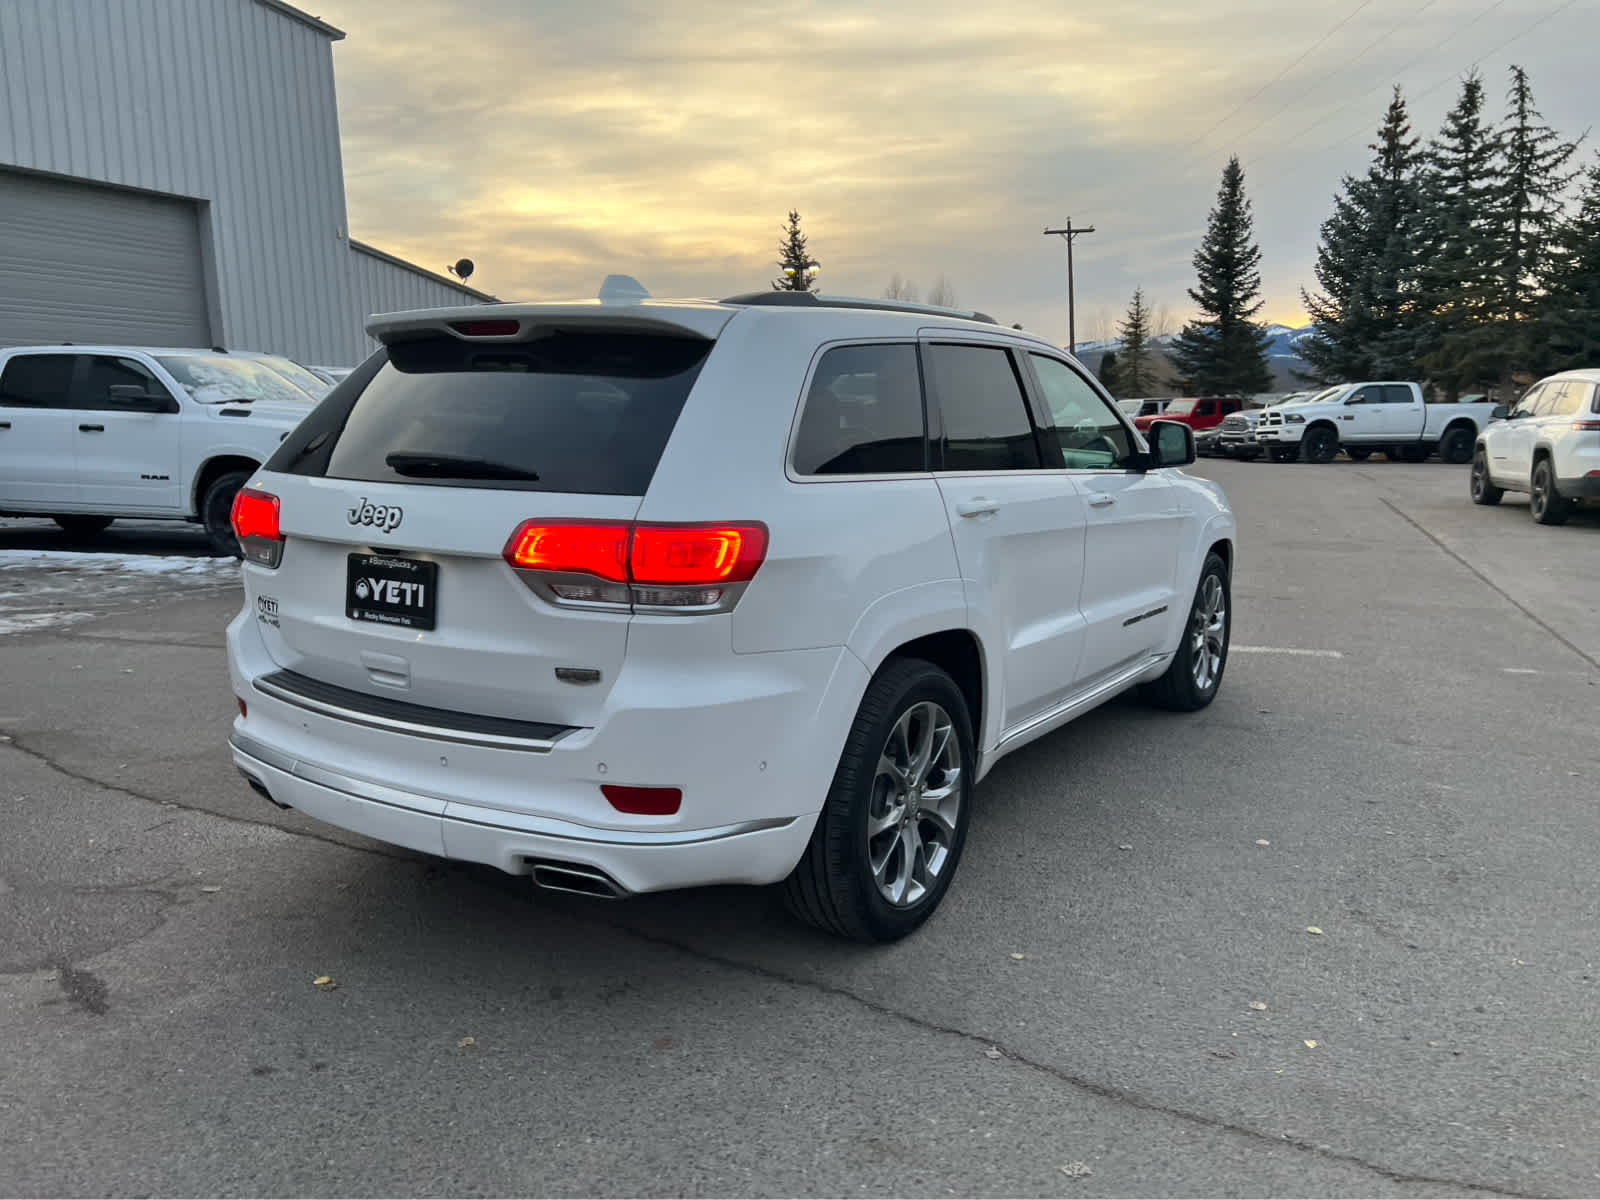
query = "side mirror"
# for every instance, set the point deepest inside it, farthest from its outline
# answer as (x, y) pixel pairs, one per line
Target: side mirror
(1500, 412)
(1171, 444)
(136, 398)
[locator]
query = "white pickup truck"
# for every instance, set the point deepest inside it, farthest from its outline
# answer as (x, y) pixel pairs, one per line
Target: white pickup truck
(1362, 418)
(92, 433)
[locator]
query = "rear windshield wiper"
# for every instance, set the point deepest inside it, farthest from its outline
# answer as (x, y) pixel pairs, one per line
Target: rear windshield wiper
(454, 466)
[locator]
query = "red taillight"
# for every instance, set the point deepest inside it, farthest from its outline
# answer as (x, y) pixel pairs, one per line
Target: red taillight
(643, 801)
(244, 709)
(1589, 426)
(696, 555)
(573, 547)
(255, 524)
(652, 566)
(486, 328)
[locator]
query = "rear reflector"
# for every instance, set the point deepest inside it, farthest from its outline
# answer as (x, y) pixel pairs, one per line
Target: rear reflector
(486, 328)
(654, 566)
(643, 801)
(244, 709)
(255, 524)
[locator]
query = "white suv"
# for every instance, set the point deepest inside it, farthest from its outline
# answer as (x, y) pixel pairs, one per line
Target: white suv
(1547, 446)
(92, 433)
(650, 595)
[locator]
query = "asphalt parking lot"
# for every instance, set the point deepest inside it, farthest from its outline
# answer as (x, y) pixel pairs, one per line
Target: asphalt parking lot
(1120, 996)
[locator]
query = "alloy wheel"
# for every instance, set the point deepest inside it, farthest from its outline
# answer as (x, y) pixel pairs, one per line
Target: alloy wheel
(1208, 631)
(916, 802)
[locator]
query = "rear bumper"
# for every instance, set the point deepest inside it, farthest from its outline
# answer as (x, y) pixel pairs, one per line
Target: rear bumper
(1581, 487)
(756, 852)
(751, 740)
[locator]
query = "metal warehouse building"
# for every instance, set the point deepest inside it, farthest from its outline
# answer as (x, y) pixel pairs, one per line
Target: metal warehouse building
(170, 175)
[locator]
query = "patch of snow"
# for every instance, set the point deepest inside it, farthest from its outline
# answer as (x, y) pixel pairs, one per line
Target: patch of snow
(33, 622)
(131, 564)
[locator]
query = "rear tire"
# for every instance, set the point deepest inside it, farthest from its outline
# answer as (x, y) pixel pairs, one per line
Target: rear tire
(1547, 505)
(836, 885)
(216, 512)
(83, 527)
(1192, 680)
(1483, 489)
(1358, 453)
(1456, 445)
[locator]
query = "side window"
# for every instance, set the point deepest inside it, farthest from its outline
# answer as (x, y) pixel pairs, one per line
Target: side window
(1570, 400)
(1206, 408)
(1594, 397)
(1367, 395)
(1530, 398)
(1550, 399)
(1397, 393)
(1090, 434)
(863, 414)
(37, 381)
(102, 372)
(985, 414)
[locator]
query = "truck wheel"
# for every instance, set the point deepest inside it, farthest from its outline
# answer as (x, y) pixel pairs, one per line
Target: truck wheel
(1456, 445)
(1284, 453)
(1191, 682)
(1547, 505)
(1321, 444)
(1483, 491)
(891, 831)
(1394, 453)
(83, 527)
(216, 512)
(1358, 453)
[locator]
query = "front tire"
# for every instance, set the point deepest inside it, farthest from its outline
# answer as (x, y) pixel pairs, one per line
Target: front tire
(1321, 445)
(216, 512)
(1483, 489)
(83, 527)
(1195, 674)
(1547, 505)
(1284, 454)
(890, 834)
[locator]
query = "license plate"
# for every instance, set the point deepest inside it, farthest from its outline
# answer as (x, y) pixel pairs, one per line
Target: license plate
(391, 591)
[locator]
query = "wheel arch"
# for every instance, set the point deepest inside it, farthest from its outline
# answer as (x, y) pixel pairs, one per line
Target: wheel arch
(959, 654)
(214, 469)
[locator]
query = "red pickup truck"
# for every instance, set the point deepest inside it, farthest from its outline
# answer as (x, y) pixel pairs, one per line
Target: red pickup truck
(1205, 412)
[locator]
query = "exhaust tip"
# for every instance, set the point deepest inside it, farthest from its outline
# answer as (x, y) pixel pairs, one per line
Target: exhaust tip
(576, 879)
(260, 789)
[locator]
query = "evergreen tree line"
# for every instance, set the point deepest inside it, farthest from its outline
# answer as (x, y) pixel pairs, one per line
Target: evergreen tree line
(1470, 262)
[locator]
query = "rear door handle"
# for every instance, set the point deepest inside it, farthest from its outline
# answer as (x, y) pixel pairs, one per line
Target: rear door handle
(978, 506)
(1102, 500)
(91, 428)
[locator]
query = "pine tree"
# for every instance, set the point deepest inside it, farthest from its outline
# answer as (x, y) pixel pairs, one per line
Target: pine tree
(1364, 263)
(1536, 180)
(1570, 325)
(799, 268)
(1135, 371)
(1457, 272)
(1225, 352)
(1110, 372)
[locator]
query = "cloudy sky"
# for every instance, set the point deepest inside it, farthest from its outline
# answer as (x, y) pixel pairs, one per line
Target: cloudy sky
(554, 142)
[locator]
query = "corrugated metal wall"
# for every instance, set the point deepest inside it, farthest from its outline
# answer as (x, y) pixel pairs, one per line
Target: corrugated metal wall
(385, 285)
(230, 102)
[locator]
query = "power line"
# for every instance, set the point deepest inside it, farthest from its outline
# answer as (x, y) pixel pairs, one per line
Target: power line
(1305, 54)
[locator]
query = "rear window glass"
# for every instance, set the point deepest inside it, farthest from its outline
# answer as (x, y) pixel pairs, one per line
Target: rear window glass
(586, 413)
(37, 381)
(863, 414)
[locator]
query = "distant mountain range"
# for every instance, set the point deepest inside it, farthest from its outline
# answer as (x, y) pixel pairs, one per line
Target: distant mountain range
(1283, 354)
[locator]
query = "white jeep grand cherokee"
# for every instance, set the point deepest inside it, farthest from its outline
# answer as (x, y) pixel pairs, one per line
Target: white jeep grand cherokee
(658, 594)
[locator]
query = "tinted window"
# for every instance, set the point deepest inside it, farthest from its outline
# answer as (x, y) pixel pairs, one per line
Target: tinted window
(1371, 394)
(1397, 393)
(986, 422)
(863, 414)
(1090, 434)
(1206, 408)
(101, 373)
(37, 381)
(569, 412)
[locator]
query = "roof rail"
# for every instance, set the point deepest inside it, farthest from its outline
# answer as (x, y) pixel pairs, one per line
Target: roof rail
(812, 300)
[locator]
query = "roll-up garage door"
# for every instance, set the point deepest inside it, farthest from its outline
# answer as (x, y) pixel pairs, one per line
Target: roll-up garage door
(84, 263)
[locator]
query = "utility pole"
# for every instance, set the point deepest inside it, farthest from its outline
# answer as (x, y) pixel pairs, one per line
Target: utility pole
(1066, 235)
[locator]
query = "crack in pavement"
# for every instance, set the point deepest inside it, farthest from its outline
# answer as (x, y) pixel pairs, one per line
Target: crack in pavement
(1105, 1091)
(1489, 583)
(39, 756)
